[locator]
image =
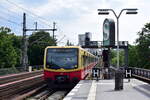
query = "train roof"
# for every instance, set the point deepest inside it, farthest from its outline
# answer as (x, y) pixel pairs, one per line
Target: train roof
(69, 47)
(63, 47)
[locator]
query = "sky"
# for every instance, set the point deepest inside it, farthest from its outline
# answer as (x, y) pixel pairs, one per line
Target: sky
(74, 17)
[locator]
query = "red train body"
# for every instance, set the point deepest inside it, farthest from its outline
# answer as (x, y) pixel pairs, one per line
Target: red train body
(60, 74)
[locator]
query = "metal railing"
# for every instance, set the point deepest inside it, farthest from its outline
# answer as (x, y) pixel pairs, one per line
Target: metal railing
(145, 73)
(15, 70)
(37, 67)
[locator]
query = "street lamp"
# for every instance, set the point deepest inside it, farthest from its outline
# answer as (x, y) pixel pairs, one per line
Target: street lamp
(106, 12)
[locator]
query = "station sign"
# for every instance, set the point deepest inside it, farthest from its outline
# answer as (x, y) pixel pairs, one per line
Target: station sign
(128, 73)
(96, 73)
(108, 32)
(93, 43)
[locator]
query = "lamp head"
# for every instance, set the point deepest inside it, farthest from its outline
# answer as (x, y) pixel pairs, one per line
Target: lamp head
(103, 13)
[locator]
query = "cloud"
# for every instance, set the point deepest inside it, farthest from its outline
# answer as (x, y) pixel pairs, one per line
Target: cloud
(75, 17)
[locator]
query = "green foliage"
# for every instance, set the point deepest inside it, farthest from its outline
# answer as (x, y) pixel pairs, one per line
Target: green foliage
(133, 56)
(10, 48)
(38, 41)
(139, 55)
(8, 54)
(17, 40)
(5, 71)
(113, 57)
(143, 50)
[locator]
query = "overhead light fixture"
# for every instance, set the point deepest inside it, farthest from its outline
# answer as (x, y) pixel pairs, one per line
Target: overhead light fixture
(103, 9)
(103, 13)
(131, 12)
(132, 9)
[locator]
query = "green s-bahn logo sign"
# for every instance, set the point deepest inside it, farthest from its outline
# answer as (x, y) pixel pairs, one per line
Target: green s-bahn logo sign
(108, 32)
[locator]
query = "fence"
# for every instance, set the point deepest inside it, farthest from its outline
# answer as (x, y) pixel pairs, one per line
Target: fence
(14, 70)
(141, 72)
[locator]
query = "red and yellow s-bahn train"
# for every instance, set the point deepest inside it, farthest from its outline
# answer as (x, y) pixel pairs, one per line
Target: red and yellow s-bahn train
(67, 64)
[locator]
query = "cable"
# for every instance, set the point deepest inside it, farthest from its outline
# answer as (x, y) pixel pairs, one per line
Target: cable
(60, 31)
(44, 21)
(9, 12)
(64, 36)
(6, 12)
(61, 39)
(37, 40)
(33, 18)
(32, 22)
(10, 21)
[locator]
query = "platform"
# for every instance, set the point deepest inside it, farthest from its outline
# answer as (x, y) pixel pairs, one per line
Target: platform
(104, 90)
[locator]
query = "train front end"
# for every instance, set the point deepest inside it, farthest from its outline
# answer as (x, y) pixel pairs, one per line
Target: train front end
(61, 67)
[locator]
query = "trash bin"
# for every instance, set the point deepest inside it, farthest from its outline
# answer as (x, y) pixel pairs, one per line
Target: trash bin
(119, 80)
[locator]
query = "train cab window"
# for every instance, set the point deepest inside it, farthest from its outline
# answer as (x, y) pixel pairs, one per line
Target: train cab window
(65, 58)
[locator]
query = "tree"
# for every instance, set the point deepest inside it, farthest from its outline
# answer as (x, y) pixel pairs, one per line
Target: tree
(143, 44)
(8, 55)
(133, 56)
(113, 57)
(38, 41)
(17, 43)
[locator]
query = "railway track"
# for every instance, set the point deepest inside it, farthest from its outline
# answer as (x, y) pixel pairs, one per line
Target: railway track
(41, 94)
(15, 77)
(18, 84)
(49, 95)
(58, 95)
(31, 93)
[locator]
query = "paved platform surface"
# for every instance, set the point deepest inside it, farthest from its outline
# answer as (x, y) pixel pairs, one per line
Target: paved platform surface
(104, 90)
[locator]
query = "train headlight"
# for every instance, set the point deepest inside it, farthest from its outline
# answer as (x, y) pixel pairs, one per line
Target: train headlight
(75, 66)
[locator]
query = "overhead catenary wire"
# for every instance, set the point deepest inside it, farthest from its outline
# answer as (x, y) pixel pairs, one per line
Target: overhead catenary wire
(10, 21)
(10, 13)
(63, 37)
(7, 12)
(37, 40)
(10, 18)
(30, 14)
(31, 22)
(43, 20)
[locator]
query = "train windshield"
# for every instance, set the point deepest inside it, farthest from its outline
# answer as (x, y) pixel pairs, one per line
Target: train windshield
(58, 58)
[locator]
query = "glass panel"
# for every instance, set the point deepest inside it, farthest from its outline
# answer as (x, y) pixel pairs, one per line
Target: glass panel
(65, 58)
